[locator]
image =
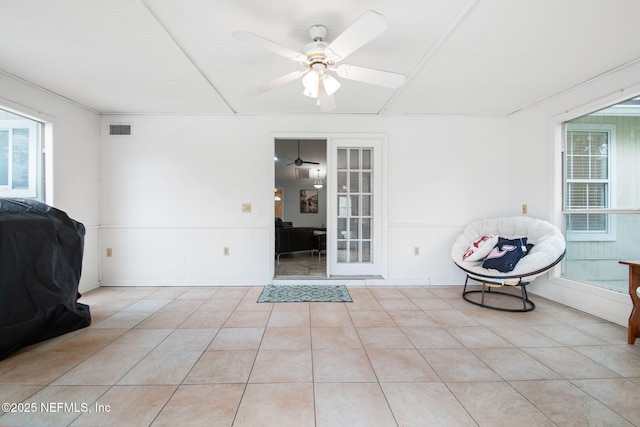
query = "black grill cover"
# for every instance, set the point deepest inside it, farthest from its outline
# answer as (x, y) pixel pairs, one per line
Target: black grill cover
(41, 252)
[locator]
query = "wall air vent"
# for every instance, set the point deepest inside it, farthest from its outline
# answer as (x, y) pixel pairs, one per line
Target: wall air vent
(302, 173)
(119, 129)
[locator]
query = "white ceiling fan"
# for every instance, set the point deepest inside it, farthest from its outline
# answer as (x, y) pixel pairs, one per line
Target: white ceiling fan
(320, 58)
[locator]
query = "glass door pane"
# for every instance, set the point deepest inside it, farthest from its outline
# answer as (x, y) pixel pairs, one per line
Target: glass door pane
(356, 207)
(354, 201)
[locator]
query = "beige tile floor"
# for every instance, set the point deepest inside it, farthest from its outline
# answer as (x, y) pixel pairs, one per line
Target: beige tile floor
(300, 265)
(395, 356)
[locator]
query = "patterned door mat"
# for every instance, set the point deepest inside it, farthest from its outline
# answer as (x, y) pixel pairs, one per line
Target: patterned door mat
(305, 293)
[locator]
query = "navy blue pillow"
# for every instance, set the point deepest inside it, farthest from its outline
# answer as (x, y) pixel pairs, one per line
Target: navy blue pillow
(505, 254)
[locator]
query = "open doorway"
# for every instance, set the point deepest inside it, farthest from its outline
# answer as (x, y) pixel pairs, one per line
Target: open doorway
(300, 206)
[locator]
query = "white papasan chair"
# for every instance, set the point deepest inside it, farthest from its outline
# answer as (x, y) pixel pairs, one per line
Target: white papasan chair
(548, 249)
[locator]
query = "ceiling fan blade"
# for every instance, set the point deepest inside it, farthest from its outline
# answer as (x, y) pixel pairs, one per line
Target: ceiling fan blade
(371, 76)
(272, 84)
(311, 163)
(366, 28)
(260, 41)
(326, 102)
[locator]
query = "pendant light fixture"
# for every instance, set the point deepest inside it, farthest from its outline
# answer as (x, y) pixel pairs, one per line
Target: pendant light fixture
(318, 183)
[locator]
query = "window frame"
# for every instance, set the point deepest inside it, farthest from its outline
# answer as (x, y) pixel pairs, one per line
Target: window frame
(592, 235)
(35, 127)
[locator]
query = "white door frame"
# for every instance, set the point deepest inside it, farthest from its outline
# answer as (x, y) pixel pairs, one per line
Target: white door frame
(378, 266)
(381, 193)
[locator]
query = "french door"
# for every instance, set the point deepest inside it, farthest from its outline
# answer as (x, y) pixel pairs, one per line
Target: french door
(356, 207)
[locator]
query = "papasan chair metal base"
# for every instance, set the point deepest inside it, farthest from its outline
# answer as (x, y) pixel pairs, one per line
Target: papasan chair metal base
(527, 304)
(547, 251)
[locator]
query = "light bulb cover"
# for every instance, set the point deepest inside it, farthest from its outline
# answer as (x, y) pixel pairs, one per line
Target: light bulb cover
(331, 84)
(310, 82)
(318, 183)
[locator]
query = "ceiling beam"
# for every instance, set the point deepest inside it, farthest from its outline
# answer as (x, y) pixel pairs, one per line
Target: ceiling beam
(50, 92)
(189, 57)
(432, 50)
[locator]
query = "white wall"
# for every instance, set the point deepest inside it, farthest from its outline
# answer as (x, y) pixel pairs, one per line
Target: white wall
(177, 184)
(443, 173)
(74, 163)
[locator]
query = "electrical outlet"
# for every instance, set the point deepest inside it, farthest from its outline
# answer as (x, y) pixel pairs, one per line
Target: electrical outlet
(226, 251)
(416, 250)
(524, 208)
(246, 207)
(109, 252)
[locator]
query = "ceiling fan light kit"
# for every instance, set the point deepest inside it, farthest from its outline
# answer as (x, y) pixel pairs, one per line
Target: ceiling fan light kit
(320, 58)
(311, 82)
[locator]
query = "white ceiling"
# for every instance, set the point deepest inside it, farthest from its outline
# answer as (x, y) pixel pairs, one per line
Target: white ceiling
(486, 57)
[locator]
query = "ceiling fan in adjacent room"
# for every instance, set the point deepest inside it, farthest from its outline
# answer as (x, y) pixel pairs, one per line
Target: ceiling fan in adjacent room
(319, 59)
(299, 162)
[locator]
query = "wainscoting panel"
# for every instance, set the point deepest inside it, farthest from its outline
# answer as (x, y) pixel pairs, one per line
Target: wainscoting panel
(185, 256)
(430, 263)
(90, 278)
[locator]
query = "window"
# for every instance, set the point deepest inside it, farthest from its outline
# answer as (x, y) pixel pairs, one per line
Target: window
(588, 183)
(20, 159)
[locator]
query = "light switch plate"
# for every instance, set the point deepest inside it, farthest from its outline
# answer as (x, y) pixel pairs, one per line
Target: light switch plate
(246, 207)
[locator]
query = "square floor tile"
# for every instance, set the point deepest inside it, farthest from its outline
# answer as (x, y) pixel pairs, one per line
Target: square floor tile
(342, 365)
(276, 405)
(344, 404)
(161, 367)
(425, 404)
(43, 368)
(222, 366)
(203, 405)
(124, 405)
(282, 366)
(286, 339)
(566, 404)
(56, 406)
(497, 403)
(334, 338)
(237, 339)
(400, 365)
(458, 365)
